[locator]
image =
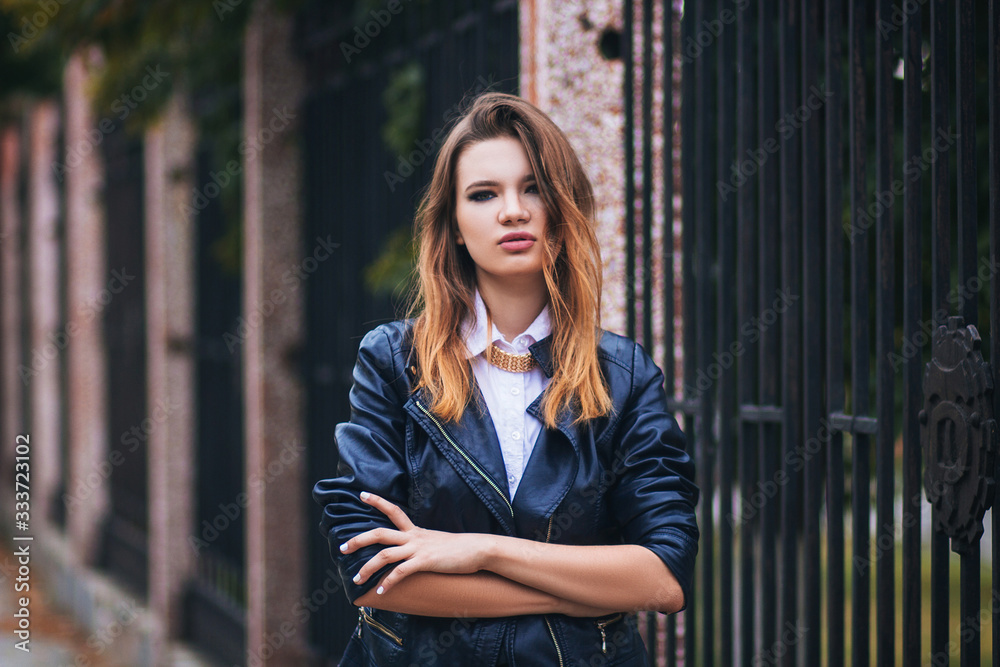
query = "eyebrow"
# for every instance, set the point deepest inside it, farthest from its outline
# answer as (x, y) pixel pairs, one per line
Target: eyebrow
(492, 184)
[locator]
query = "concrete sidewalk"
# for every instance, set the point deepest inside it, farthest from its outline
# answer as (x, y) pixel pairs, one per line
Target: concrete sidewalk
(56, 640)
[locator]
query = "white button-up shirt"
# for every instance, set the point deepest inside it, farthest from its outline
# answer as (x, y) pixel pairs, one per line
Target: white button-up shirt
(507, 394)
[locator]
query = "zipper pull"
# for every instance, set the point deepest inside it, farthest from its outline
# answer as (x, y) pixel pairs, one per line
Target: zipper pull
(604, 640)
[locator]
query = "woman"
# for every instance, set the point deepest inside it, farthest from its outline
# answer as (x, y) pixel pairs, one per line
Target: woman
(510, 485)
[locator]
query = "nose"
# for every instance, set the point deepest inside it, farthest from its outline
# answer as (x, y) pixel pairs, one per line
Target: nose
(513, 210)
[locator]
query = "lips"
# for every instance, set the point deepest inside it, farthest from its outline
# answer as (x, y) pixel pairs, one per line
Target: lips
(517, 241)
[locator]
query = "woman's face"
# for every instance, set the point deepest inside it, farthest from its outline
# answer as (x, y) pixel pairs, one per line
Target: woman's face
(501, 217)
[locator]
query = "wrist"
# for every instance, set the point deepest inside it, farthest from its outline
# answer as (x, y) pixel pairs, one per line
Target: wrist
(488, 552)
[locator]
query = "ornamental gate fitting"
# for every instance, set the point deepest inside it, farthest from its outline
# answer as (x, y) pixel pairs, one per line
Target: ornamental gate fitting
(958, 434)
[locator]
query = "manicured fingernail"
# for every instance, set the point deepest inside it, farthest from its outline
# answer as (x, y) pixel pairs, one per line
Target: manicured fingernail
(364, 495)
(343, 547)
(380, 590)
(357, 578)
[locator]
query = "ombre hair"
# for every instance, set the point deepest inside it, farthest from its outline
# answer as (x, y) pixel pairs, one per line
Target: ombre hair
(445, 289)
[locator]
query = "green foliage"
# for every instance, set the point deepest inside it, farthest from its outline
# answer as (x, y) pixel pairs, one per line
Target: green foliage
(392, 272)
(404, 98)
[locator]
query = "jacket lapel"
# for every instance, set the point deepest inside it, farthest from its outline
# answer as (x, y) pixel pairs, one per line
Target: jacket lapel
(550, 471)
(472, 449)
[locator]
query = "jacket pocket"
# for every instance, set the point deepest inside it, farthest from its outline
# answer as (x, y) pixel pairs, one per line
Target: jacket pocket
(376, 626)
(383, 642)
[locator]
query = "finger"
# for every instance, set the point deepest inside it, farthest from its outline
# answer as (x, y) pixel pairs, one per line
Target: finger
(395, 514)
(397, 574)
(380, 560)
(375, 536)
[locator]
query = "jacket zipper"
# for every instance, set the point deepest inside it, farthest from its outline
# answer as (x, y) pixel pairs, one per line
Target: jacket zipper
(555, 642)
(378, 626)
(467, 458)
(602, 625)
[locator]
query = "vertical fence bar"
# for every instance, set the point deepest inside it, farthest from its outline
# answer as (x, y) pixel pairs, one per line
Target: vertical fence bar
(885, 565)
(860, 497)
(726, 327)
(812, 337)
(833, 26)
(746, 306)
(703, 303)
(912, 364)
(769, 340)
(965, 83)
(647, 218)
(647, 174)
(965, 88)
(994, 93)
(791, 332)
(629, 111)
(669, 370)
(941, 269)
(689, 217)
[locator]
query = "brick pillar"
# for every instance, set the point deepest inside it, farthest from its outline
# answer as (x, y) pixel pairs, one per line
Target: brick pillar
(45, 273)
(564, 73)
(11, 307)
(170, 329)
(86, 496)
(276, 538)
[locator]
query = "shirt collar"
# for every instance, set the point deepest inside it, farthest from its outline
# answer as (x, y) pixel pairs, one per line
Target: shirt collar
(476, 339)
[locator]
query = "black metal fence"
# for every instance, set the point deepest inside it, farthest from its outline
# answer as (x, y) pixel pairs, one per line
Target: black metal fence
(813, 290)
(125, 548)
(381, 93)
(216, 596)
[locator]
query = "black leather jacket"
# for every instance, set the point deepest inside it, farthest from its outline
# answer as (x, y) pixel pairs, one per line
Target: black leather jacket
(624, 478)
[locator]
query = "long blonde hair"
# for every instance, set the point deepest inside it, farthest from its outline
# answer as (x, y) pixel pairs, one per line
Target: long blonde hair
(445, 289)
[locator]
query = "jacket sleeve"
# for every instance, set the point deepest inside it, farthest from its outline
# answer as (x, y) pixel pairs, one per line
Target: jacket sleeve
(372, 458)
(654, 494)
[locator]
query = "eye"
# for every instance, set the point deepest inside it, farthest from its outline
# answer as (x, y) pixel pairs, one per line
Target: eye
(533, 189)
(480, 195)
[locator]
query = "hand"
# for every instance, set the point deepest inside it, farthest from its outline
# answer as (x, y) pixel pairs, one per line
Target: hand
(415, 549)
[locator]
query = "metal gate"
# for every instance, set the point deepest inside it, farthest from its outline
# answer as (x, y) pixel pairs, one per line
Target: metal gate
(829, 152)
(216, 595)
(377, 106)
(125, 549)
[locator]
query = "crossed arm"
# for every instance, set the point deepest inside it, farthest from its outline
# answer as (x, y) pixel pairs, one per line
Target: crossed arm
(481, 575)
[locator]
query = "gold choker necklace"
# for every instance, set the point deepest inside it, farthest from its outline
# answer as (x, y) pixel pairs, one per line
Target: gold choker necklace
(512, 363)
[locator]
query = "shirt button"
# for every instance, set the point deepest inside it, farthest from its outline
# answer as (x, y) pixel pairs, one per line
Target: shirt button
(511, 478)
(515, 391)
(516, 435)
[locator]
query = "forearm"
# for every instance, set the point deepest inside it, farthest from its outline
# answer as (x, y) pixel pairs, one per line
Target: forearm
(479, 595)
(625, 577)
